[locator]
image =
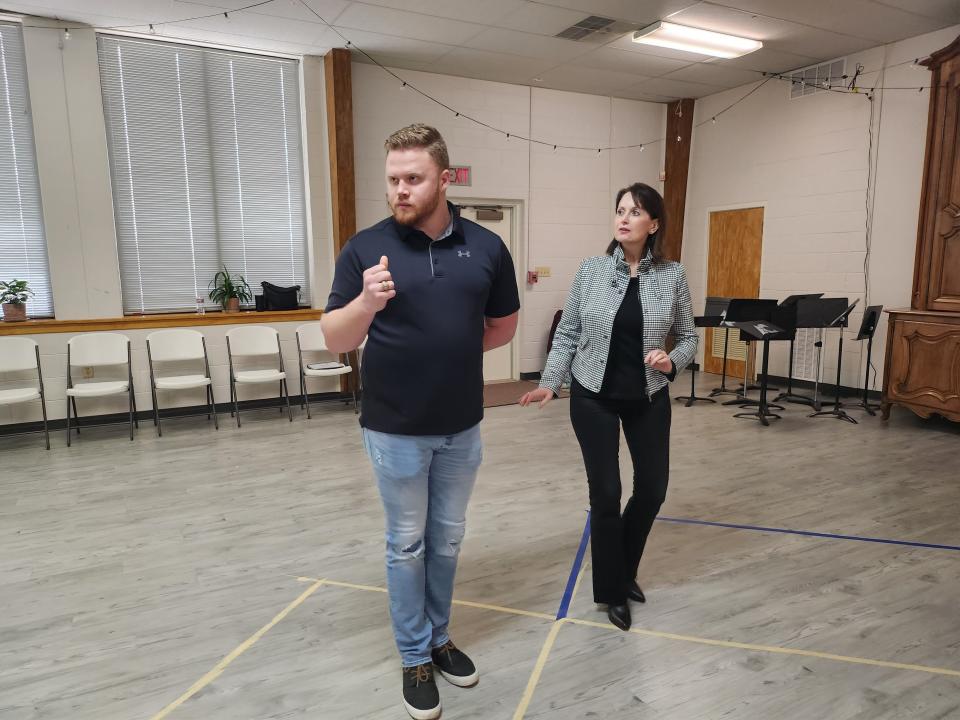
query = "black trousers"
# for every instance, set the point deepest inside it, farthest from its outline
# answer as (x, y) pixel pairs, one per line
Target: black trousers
(617, 541)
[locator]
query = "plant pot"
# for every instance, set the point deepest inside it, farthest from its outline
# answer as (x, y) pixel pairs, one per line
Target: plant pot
(14, 312)
(232, 306)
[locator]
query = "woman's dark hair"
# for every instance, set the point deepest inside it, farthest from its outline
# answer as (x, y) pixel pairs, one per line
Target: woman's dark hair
(650, 200)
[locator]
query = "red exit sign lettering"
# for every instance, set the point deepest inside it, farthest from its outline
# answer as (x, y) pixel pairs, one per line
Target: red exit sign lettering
(460, 175)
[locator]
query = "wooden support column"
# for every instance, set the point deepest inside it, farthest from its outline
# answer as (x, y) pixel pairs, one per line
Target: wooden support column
(676, 167)
(339, 89)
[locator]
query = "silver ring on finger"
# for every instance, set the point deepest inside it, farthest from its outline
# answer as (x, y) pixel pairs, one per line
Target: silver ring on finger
(383, 286)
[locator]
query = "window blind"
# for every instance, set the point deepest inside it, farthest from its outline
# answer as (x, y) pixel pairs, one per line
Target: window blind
(23, 250)
(207, 169)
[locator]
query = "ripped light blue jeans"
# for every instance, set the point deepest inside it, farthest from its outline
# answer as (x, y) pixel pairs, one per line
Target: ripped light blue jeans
(425, 483)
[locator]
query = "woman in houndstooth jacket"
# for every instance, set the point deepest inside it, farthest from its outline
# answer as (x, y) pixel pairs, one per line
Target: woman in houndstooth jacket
(611, 338)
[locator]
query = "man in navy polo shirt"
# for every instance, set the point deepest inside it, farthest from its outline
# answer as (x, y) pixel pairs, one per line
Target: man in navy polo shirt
(431, 292)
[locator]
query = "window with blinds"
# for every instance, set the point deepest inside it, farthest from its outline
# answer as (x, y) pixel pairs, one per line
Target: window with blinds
(207, 170)
(23, 250)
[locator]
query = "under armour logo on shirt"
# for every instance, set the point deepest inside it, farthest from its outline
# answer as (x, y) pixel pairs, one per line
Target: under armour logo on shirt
(463, 253)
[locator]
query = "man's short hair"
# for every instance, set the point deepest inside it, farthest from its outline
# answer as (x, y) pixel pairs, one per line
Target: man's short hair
(423, 136)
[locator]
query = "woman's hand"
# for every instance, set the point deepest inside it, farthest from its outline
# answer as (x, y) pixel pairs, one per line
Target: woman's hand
(659, 360)
(540, 395)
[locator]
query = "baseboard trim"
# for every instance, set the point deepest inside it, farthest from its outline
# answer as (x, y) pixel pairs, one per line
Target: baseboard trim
(146, 416)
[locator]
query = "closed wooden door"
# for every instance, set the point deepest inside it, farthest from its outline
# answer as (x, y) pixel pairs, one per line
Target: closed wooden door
(733, 270)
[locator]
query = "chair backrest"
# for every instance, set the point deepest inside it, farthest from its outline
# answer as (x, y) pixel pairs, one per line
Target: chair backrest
(176, 344)
(253, 340)
(311, 337)
(17, 353)
(102, 348)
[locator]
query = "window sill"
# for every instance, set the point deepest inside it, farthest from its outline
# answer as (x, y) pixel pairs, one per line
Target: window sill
(167, 320)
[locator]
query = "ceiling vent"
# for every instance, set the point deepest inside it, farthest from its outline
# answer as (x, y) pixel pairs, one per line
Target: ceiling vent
(596, 29)
(817, 78)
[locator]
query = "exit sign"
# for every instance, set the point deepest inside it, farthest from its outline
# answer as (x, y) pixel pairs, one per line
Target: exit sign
(460, 175)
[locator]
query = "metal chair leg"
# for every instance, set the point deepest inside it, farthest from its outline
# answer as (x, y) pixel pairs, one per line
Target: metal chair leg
(76, 415)
(281, 392)
(43, 406)
(303, 393)
(68, 422)
(286, 394)
(233, 396)
(133, 398)
(213, 408)
(130, 404)
(156, 411)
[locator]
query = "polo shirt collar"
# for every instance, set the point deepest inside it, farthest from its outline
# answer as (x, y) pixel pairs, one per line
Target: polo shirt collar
(453, 230)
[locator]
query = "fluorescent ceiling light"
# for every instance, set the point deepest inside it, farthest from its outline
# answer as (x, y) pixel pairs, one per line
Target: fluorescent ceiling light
(695, 40)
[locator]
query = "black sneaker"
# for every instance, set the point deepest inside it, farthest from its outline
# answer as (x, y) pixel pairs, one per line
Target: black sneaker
(420, 695)
(455, 666)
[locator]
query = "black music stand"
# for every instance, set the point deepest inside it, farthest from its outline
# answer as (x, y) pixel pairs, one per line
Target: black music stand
(763, 331)
(838, 412)
(818, 314)
(716, 309)
(746, 310)
(789, 396)
(712, 317)
(868, 326)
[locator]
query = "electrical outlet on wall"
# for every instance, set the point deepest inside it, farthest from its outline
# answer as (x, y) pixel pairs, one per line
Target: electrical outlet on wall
(87, 373)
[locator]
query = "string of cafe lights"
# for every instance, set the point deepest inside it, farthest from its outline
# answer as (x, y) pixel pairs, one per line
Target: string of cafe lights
(846, 85)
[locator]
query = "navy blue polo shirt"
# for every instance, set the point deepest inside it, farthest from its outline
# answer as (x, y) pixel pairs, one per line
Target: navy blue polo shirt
(422, 365)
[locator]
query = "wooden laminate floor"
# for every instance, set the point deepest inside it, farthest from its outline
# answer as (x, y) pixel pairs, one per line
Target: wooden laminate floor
(180, 577)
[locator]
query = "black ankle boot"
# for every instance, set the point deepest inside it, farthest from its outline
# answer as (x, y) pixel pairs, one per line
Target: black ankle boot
(635, 593)
(619, 615)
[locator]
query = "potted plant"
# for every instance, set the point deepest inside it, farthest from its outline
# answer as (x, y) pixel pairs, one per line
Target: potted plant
(13, 295)
(230, 290)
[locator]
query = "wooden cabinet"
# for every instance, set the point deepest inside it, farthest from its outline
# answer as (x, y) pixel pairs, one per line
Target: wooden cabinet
(922, 369)
(923, 363)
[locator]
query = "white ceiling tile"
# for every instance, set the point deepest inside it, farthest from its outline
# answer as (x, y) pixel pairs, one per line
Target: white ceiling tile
(637, 11)
(328, 9)
(769, 60)
(710, 73)
(405, 24)
(398, 51)
(488, 12)
(720, 18)
(675, 88)
(634, 93)
(500, 40)
(262, 27)
(540, 19)
(587, 80)
(822, 45)
(943, 10)
(498, 67)
(858, 18)
(610, 58)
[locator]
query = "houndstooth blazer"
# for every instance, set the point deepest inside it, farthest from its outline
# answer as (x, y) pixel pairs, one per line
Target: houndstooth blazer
(582, 341)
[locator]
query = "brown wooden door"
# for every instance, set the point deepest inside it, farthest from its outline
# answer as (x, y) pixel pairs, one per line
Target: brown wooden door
(733, 270)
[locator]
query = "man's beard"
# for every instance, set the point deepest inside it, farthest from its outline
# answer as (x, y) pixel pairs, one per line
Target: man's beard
(413, 215)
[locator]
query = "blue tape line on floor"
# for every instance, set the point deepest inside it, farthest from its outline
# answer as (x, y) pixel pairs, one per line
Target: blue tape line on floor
(574, 571)
(810, 533)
